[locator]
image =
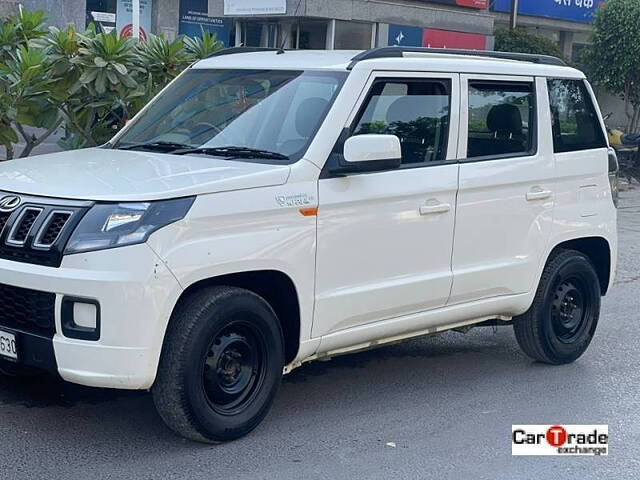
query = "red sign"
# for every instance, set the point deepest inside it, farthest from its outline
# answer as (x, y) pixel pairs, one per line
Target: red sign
(479, 4)
(447, 39)
(127, 31)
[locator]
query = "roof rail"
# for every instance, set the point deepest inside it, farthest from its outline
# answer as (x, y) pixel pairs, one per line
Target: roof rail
(234, 50)
(399, 51)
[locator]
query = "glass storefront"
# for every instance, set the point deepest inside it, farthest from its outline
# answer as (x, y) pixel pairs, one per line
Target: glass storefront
(352, 35)
(310, 35)
(307, 34)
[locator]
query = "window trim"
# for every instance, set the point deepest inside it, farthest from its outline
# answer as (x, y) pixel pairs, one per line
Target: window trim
(463, 145)
(589, 95)
(448, 79)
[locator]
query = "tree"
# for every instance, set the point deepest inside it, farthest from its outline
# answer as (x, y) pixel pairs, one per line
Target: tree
(24, 82)
(613, 59)
(91, 83)
(521, 41)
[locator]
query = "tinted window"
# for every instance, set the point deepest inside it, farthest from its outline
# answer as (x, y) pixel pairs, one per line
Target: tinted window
(501, 119)
(417, 112)
(575, 123)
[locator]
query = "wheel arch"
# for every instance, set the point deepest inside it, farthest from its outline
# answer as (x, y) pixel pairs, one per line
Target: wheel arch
(275, 287)
(596, 249)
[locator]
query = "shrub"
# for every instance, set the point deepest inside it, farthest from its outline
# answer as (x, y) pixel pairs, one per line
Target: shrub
(521, 41)
(90, 83)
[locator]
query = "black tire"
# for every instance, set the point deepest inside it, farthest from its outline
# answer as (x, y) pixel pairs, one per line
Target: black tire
(221, 365)
(562, 320)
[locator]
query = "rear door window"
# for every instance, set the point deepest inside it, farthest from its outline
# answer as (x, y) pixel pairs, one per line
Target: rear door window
(501, 119)
(576, 125)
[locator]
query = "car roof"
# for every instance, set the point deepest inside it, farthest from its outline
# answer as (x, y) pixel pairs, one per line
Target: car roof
(342, 60)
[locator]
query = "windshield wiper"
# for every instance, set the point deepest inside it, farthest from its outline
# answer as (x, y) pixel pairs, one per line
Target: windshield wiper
(246, 152)
(161, 146)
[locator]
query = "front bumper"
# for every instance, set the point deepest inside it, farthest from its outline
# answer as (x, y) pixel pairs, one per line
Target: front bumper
(136, 293)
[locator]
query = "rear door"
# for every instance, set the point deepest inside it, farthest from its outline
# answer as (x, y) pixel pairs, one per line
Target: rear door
(581, 157)
(506, 193)
(385, 238)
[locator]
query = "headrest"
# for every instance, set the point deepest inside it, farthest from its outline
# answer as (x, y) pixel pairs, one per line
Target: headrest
(505, 119)
(404, 109)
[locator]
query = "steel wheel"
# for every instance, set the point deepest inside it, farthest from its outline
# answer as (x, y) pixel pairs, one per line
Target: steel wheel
(571, 306)
(234, 368)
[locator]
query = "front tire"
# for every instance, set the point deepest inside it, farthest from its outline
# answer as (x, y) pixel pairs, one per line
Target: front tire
(221, 365)
(562, 320)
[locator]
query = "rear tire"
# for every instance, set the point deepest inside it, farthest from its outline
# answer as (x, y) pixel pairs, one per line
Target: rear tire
(221, 365)
(562, 320)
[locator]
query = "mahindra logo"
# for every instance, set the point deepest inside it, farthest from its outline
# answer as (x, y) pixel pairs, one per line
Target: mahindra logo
(10, 203)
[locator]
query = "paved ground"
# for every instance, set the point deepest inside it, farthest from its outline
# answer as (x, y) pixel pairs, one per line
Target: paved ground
(448, 403)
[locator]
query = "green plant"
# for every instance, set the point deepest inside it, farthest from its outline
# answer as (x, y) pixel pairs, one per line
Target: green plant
(24, 82)
(612, 60)
(204, 46)
(29, 24)
(521, 41)
(163, 60)
(89, 83)
(110, 79)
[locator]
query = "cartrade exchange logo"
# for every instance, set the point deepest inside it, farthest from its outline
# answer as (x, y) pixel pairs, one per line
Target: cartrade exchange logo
(560, 440)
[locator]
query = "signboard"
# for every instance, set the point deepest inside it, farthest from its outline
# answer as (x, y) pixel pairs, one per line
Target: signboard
(405, 36)
(478, 4)
(255, 7)
(194, 18)
(572, 10)
(446, 39)
(124, 17)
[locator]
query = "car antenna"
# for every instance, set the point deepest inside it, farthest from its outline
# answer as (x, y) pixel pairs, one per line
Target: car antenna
(286, 37)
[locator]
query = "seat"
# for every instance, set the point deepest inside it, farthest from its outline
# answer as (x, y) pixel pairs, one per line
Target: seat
(404, 119)
(505, 124)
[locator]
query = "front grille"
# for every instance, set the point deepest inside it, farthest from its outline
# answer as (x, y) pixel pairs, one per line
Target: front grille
(37, 230)
(27, 310)
(52, 229)
(4, 218)
(23, 225)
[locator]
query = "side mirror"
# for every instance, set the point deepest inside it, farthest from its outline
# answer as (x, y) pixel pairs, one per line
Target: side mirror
(370, 153)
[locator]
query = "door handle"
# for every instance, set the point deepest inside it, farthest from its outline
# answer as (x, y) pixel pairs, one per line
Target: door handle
(433, 207)
(537, 193)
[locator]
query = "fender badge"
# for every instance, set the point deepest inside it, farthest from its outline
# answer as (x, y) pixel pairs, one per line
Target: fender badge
(297, 200)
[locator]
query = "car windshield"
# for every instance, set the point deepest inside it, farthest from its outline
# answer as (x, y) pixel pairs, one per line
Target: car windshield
(267, 114)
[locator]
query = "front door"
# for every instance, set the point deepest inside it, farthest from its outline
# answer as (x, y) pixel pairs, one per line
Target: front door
(505, 201)
(385, 238)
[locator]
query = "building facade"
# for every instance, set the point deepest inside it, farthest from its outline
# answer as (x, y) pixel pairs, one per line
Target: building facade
(338, 24)
(335, 24)
(324, 24)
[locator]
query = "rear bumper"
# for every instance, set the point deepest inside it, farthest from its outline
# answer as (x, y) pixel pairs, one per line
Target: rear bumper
(136, 294)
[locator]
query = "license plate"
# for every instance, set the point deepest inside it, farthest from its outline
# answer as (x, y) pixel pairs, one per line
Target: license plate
(8, 345)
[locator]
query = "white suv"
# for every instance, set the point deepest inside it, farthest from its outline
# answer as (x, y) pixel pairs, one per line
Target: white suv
(271, 208)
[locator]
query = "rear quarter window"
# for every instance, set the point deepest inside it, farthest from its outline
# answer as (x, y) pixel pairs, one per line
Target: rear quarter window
(576, 125)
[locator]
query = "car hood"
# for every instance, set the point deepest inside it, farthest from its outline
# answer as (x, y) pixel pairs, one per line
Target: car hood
(123, 175)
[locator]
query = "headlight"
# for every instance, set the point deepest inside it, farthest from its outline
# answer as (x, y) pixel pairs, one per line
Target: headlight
(120, 224)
